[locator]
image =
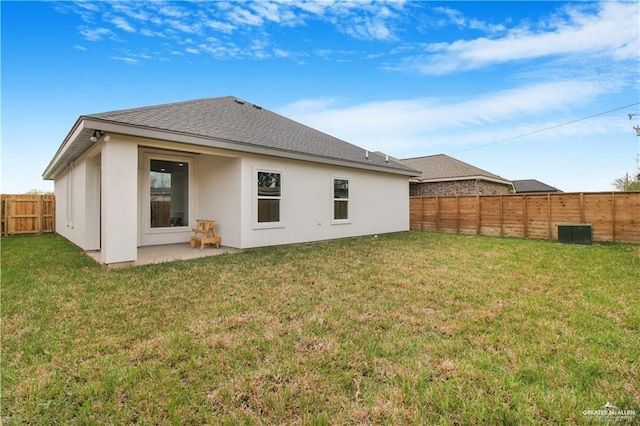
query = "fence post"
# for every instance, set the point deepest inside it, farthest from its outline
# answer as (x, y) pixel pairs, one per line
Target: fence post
(40, 216)
(7, 218)
(478, 216)
(52, 201)
(549, 216)
(5, 230)
(457, 214)
(525, 216)
(501, 216)
(613, 216)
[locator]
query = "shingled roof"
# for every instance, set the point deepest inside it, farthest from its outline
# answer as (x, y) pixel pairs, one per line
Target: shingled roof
(230, 123)
(532, 185)
(441, 167)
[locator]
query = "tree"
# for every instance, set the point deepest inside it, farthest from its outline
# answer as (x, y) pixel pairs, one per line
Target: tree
(38, 192)
(160, 179)
(627, 183)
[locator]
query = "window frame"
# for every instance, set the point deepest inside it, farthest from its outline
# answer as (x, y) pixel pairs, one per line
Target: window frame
(148, 156)
(268, 225)
(346, 200)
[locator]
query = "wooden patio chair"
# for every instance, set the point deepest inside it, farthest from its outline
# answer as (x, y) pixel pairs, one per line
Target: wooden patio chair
(205, 233)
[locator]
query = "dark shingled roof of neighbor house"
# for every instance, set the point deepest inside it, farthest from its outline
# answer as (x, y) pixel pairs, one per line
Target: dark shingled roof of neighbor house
(441, 167)
(533, 185)
(234, 120)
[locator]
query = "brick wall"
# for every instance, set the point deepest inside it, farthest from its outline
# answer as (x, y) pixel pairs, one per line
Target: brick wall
(458, 187)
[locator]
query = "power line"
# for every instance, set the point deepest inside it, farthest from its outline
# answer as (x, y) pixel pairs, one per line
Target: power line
(547, 128)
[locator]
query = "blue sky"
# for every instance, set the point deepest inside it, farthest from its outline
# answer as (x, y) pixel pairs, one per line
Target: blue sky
(480, 81)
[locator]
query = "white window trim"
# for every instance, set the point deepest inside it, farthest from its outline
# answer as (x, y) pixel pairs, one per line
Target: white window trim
(267, 225)
(146, 170)
(335, 221)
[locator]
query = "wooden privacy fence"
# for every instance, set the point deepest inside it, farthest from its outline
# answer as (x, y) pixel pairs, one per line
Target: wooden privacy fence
(28, 214)
(614, 216)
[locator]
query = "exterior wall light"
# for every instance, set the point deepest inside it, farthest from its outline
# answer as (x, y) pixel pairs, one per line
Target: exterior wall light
(98, 134)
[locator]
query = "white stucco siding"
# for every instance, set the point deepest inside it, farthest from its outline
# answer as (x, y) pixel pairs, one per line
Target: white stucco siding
(92, 202)
(218, 180)
(119, 201)
(378, 203)
(70, 190)
(103, 199)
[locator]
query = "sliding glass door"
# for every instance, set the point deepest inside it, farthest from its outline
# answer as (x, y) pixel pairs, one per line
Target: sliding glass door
(169, 193)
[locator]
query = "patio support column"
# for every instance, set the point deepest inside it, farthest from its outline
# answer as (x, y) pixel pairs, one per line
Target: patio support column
(119, 210)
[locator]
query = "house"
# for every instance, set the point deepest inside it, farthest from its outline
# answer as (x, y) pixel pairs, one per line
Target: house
(142, 176)
(532, 186)
(444, 175)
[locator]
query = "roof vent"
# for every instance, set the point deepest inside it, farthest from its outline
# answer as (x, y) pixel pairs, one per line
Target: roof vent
(257, 106)
(238, 101)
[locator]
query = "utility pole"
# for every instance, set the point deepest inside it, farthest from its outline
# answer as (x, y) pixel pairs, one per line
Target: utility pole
(637, 129)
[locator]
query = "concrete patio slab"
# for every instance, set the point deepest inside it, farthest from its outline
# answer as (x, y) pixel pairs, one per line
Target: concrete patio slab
(171, 252)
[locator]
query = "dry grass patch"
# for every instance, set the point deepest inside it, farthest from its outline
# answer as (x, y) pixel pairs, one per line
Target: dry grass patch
(405, 328)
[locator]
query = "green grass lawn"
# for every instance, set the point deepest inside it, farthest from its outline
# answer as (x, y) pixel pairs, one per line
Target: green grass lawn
(417, 328)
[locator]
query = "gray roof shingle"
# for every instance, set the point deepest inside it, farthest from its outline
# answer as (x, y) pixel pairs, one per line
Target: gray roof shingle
(233, 120)
(441, 167)
(532, 185)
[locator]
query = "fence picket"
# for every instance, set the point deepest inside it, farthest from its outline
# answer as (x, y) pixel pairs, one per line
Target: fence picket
(613, 216)
(27, 214)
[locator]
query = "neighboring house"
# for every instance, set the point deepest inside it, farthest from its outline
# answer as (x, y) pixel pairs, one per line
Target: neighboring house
(142, 176)
(443, 175)
(529, 186)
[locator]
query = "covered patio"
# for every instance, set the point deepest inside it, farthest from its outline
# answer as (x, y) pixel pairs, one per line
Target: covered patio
(168, 253)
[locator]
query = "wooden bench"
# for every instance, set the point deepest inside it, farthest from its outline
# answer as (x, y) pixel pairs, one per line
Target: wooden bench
(205, 233)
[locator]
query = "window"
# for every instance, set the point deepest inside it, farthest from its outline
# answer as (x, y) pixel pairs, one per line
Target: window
(269, 196)
(169, 193)
(340, 199)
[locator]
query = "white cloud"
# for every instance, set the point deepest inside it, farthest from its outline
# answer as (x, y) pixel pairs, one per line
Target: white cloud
(368, 21)
(402, 125)
(314, 7)
(218, 49)
(183, 26)
(611, 32)
(607, 29)
(87, 5)
(150, 33)
(279, 53)
(96, 34)
(266, 10)
(458, 19)
(220, 26)
(122, 24)
(241, 17)
(127, 60)
(364, 20)
(173, 11)
(137, 14)
(369, 29)
(453, 16)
